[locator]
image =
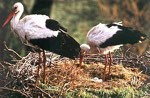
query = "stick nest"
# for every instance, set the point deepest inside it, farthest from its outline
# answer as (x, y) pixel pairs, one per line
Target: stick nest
(64, 75)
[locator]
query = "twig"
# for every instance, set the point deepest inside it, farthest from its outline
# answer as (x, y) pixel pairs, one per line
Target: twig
(42, 91)
(18, 91)
(11, 50)
(2, 65)
(9, 83)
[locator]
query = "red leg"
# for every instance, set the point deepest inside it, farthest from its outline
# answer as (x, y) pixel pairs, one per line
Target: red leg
(44, 68)
(106, 63)
(81, 59)
(38, 68)
(111, 60)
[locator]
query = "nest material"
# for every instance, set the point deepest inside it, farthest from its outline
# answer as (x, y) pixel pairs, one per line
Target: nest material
(63, 72)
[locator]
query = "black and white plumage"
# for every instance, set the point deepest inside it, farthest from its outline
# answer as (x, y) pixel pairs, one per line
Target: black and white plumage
(62, 44)
(105, 39)
(43, 33)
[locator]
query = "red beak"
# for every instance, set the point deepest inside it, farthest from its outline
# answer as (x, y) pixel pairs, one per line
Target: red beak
(8, 18)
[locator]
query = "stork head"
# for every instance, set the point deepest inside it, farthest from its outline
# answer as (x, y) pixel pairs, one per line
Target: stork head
(16, 8)
(84, 48)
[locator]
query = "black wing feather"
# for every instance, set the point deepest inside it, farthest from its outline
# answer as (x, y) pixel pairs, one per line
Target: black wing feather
(127, 35)
(63, 45)
(54, 25)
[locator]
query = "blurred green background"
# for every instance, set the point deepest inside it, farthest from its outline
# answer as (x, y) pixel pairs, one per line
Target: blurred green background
(78, 16)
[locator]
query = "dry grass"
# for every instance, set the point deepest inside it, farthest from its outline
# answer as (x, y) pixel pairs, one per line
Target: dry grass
(64, 73)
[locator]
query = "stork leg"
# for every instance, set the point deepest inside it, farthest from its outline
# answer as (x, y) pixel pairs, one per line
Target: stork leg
(44, 67)
(38, 68)
(106, 63)
(110, 64)
(81, 60)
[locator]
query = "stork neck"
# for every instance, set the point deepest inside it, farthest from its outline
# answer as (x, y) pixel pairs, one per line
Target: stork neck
(14, 21)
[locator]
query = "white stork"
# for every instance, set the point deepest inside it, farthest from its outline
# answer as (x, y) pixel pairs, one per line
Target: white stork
(104, 39)
(43, 33)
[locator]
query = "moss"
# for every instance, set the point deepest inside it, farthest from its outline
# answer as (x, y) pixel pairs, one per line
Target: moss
(128, 92)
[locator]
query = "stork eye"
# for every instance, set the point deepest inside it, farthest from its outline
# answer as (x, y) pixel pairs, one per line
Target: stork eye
(15, 7)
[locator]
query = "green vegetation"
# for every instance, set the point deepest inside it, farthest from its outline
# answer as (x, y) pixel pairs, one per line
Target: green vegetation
(77, 17)
(127, 92)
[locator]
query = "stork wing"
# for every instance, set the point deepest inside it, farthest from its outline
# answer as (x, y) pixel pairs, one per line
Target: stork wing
(123, 36)
(63, 45)
(34, 27)
(54, 25)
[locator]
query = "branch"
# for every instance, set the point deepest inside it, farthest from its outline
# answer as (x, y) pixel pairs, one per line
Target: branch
(13, 90)
(41, 90)
(11, 50)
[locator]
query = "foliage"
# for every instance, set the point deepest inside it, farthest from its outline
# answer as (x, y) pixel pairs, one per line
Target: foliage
(128, 92)
(76, 16)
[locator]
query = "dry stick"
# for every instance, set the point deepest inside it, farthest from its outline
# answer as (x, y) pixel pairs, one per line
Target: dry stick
(9, 82)
(6, 68)
(2, 65)
(14, 90)
(11, 50)
(18, 91)
(42, 90)
(9, 72)
(129, 60)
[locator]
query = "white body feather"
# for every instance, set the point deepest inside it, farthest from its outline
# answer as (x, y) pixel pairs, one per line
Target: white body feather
(33, 27)
(98, 35)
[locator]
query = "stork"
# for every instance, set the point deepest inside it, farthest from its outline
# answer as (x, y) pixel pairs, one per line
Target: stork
(41, 32)
(104, 39)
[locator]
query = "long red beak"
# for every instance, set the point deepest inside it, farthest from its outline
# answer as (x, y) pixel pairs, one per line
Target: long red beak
(8, 18)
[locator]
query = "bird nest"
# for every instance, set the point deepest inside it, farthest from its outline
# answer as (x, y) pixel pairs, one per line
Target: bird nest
(63, 75)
